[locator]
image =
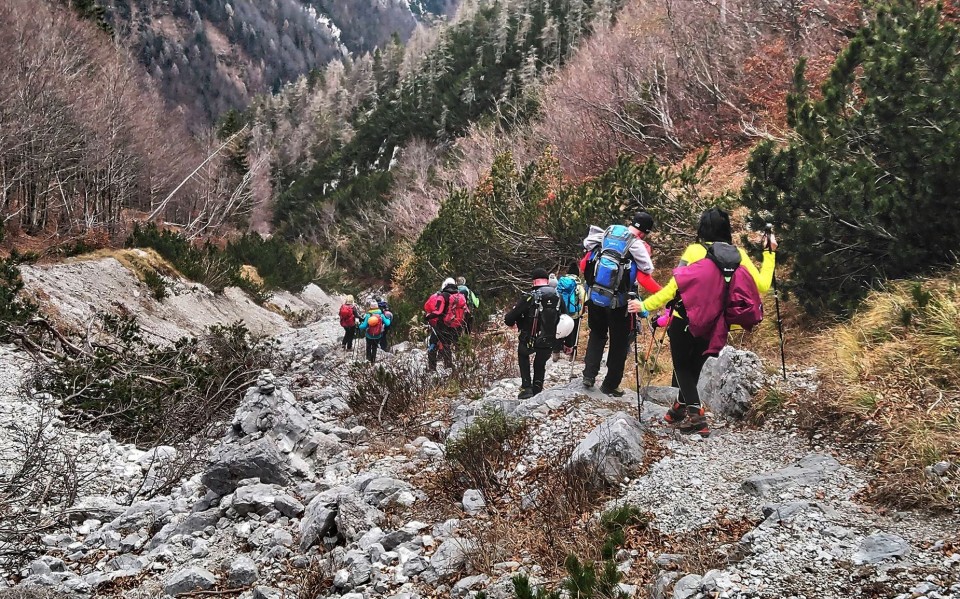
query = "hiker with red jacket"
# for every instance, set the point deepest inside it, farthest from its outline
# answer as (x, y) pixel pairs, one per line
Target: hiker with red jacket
(617, 260)
(445, 314)
(714, 287)
(348, 320)
(374, 324)
(536, 315)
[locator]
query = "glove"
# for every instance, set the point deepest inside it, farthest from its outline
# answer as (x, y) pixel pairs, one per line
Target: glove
(664, 319)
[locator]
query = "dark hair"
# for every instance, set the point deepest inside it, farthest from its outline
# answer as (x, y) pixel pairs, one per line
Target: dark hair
(714, 226)
(539, 273)
(574, 268)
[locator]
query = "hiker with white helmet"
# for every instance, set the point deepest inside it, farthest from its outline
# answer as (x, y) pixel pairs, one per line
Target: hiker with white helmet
(445, 314)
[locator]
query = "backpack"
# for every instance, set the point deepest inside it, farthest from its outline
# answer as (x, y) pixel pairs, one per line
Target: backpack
(569, 290)
(473, 301)
(435, 307)
(612, 268)
(374, 326)
(544, 313)
(389, 316)
(456, 312)
(347, 316)
(449, 308)
(742, 303)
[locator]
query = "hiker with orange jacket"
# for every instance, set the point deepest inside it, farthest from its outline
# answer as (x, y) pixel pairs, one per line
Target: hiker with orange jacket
(374, 324)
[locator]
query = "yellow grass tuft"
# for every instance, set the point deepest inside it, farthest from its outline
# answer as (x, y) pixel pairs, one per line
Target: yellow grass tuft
(892, 378)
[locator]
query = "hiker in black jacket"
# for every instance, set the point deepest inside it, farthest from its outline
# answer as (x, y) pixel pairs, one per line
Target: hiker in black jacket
(536, 315)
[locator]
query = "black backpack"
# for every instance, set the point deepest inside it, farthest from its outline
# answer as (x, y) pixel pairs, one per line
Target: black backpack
(726, 257)
(544, 313)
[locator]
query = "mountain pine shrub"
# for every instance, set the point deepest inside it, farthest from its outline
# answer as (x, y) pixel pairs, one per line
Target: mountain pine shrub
(522, 217)
(14, 310)
(868, 186)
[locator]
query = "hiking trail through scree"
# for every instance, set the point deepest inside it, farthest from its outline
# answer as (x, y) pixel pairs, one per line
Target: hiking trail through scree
(297, 482)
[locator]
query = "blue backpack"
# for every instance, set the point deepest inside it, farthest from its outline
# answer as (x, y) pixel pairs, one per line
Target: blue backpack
(612, 268)
(568, 288)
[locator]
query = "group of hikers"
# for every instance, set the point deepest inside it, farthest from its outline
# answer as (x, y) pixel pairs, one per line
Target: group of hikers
(715, 287)
(448, 313)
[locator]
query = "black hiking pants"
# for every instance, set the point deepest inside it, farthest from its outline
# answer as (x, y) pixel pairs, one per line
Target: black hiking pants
(372, 345)
(348, 333)
(384, 343)
(605, 323)
(688, 360)
(441, 343)
(540, 356)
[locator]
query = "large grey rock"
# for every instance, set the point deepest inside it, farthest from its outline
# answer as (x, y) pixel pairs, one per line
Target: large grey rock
(614, 449)
(473, 502)
(881, 547)
(231, 464)
(451, 556)
(729, 382)
(189, 579)
(687, 587)
(810, 470)
(465, 585)
(257, 498)
(243, 572)
(355, 517)
(392, 539)
(379, 490)
(273, 412)
(288, 506)
(267, 593)
(319, 520)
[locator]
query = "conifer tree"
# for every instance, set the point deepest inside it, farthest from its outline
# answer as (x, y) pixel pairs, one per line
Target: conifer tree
(868, 187)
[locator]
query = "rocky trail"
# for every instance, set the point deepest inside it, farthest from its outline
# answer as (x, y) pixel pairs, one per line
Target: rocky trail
(301, 499)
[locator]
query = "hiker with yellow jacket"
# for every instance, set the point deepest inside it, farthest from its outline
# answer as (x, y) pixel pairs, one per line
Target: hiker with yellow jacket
(689, 352)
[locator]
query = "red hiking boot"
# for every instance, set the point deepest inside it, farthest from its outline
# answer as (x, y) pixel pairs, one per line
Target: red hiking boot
(675, 414)
(696, 422)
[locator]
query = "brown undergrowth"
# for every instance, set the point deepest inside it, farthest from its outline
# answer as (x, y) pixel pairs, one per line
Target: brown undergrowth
(891, 386)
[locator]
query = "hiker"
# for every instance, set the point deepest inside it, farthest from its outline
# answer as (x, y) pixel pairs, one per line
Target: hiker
(374, 324)
(445, 315)
(384, 340)
(705, 302)
(473, 302)
(573, 298)
(348, 320)
(617, 259)
(536, 315)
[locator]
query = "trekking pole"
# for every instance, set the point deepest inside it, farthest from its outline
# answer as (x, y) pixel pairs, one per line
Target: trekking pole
(576, 344)
(776, 300)
(636, 358)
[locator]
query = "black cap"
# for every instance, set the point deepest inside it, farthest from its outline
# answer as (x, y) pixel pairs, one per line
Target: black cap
(642, 221)
(539, 273)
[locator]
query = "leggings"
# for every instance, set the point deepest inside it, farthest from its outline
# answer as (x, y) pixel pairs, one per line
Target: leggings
(688, 360)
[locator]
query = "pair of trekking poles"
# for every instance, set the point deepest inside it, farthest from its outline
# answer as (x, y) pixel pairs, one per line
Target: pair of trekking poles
(642, 395)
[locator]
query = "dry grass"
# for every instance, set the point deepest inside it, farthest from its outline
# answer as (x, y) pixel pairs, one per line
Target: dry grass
(891, 383)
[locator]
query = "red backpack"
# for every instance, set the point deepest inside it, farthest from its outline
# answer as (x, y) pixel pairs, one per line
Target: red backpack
(450, 308)
(456, 311)
(375, 325)
(347, 317)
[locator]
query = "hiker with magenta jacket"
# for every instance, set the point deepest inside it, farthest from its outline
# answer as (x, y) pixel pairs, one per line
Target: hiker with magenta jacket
(714, 287)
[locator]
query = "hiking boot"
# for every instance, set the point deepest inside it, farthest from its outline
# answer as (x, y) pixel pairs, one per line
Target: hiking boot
(587, 383)
(676, 413)
(526, 393)
(618, 392)
(695, 423)
(556, 356)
